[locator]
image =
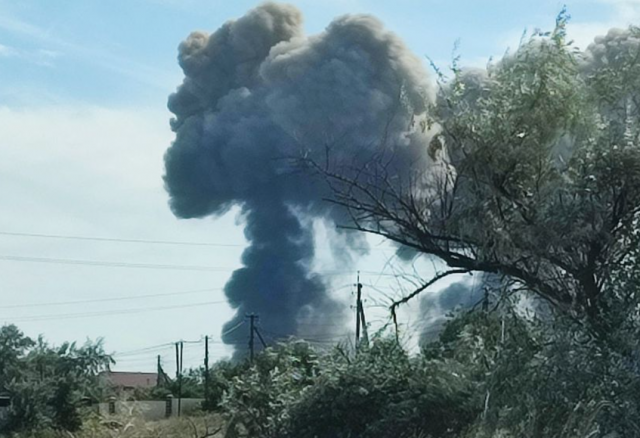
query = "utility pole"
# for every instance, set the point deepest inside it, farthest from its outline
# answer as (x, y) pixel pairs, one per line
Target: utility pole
(485, 301)
(361, 322)
(159, 371)
(179, 356)
(252, 328)
(206, 369)
(177, 361)
(358, 321)
(180, 383)
(264, 344)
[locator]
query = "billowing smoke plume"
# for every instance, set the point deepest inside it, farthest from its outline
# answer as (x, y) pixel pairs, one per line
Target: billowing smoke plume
(617, 51)
(464, 294)
(614, 50)
(257, 91)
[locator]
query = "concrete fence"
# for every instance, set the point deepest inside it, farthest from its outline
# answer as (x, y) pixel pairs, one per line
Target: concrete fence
(150, 409)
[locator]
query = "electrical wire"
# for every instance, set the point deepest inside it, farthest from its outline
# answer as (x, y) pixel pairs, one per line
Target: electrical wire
(126, 298)
(146, 241)
(114, 264)
(157, 266)
(233, 329)
(102, 300)
(108, 313)
(145, 349)
(111, 239)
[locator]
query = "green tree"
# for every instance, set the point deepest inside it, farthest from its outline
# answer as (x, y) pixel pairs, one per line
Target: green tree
(13, 346)
(257, 399)
(221, 375)
(47, 384)
(536, 177)
(382, 391)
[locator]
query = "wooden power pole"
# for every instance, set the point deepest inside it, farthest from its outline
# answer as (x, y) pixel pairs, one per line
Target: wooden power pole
(159, 370)
(358, 304)
(361, 322)
(252, 328)
(179, 356)
(206, 369)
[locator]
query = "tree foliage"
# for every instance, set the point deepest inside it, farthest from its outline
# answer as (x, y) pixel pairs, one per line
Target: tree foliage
(537, 177)
(47, 385)
(384, 392)
(490, 374)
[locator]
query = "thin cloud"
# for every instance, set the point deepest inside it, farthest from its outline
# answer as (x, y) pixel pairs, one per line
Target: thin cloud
(6, 51)
(39, 57)
(130, 68)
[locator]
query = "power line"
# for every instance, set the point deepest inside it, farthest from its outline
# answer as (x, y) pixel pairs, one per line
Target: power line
(214, 341)
(145, 350)
(200, 341)
(157, 266)
(112, 239)
(152, 241)
(109, 313)
(148, 358)
(102, 300)
(149, 355)
(164, 242)
(136, 358)
(114, 264)
(232, 329)
(135, 297)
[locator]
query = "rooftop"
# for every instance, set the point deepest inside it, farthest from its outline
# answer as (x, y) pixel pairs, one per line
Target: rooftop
(125, 379)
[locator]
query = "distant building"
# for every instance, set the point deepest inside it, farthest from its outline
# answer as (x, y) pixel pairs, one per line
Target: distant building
(129, 381)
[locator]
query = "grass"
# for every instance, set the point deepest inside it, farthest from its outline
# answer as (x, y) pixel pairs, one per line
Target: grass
(132, 426)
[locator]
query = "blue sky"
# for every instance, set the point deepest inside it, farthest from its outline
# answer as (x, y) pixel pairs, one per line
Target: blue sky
(123, 52)
(83, 128)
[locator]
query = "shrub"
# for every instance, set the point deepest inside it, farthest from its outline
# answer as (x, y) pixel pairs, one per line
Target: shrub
(384, 392)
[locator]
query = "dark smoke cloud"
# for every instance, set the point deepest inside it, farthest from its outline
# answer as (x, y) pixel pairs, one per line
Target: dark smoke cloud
(461, 295)
(257, 91)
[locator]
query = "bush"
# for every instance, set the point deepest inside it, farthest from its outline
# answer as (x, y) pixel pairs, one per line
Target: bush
(258, 399)
(293, 392)
(384, 392)
(47, 385)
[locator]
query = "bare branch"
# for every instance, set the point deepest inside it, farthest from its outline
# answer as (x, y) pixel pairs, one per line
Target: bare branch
(434, 280)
